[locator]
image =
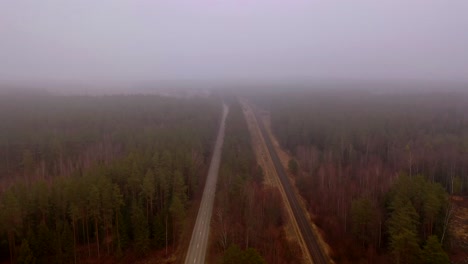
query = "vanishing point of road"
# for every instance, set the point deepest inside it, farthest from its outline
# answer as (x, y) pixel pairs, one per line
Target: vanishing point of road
(201, 232)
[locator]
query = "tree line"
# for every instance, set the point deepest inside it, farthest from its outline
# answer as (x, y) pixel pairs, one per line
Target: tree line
(131, 196)
(47, 136)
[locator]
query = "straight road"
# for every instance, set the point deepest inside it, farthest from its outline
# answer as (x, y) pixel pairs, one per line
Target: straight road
(318, 256)
(199, 241)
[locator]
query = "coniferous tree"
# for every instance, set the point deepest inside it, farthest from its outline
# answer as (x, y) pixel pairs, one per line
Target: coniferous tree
(25, 254)
(362, 215)
(12, 218)
(433, 252)
(140, 229)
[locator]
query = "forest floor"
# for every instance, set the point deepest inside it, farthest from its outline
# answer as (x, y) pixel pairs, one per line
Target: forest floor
(271, 180)
(459, 229)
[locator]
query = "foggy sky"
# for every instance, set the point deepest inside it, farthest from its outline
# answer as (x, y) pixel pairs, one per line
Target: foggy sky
(134, 40)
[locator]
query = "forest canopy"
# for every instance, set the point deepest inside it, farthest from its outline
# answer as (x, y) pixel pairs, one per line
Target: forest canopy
(352, 148)
(93, 177)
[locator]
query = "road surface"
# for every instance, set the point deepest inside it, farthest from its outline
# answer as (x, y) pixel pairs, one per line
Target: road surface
(318, 256)
(201, 232)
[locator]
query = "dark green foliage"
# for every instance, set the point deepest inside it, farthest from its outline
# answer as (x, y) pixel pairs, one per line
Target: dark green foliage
(42, 244)
(457, 185)
(159, 232)
(177, 212)
(251, 256)
(232, 255)
(123, 231)
(140, 229)
(63, 243)
(235, 255)
(416, 211)
(293, 166)
(25, 254)
(363, 218)
(11, 219)
(402, 226)
(433, 252)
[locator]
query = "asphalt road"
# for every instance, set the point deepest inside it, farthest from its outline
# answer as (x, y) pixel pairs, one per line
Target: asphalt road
(201, 232)
(318, 256)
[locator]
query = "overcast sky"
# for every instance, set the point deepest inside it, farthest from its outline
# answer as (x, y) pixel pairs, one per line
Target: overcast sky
(134, 40)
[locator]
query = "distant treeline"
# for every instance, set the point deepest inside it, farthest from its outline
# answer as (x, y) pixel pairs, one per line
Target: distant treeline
(352, 147)
(50, 136)
(93, 177)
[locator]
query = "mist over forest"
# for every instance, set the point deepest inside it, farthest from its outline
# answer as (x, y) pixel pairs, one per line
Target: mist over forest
(234, 131)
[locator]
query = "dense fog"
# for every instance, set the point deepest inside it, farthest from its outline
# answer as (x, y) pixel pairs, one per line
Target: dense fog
(134, 43)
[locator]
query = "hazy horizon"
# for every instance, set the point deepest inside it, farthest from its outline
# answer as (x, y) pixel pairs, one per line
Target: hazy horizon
(134, 42)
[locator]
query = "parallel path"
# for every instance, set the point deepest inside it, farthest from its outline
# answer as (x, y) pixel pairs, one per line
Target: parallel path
(313, 246)
(199, 241)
